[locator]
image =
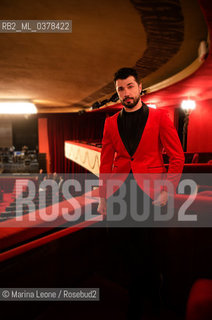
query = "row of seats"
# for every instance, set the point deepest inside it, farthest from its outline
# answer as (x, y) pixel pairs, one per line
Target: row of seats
(193, 157)
(39, 202)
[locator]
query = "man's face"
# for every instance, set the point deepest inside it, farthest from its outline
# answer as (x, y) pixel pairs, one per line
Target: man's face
(128, 91)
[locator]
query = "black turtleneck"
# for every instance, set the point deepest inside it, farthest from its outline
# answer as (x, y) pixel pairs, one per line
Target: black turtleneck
(131, 126)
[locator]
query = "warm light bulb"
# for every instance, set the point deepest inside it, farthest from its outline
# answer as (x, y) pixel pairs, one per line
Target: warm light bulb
(188, 105)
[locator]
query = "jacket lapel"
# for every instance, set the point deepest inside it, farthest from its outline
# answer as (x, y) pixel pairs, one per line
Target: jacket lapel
(121, 129)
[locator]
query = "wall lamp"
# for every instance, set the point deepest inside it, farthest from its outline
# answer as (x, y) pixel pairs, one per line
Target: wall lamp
(187, 105)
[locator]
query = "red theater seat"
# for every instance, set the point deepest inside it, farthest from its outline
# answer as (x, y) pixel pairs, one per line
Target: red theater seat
(197, 168)
(195, 158)
(200, 301)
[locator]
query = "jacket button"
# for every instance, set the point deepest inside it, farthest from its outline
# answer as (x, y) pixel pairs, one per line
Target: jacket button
(132, 159)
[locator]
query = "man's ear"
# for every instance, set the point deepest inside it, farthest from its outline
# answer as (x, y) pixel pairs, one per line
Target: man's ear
(140, 87)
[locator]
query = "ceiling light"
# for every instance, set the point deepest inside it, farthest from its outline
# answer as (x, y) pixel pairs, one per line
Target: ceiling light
(18, 107)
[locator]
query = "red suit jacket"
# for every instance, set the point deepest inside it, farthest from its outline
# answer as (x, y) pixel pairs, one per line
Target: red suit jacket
(159, 132)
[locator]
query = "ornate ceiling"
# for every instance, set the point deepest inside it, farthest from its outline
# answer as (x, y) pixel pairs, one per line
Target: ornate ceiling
(69, 72)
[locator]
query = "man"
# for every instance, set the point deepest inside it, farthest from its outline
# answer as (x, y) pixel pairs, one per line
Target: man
(137, 135)
(132, 143)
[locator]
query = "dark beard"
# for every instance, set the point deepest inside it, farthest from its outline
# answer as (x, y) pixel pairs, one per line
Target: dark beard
(131, 105)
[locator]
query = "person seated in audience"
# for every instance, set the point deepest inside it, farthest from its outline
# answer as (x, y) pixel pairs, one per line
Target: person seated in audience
(25, 150)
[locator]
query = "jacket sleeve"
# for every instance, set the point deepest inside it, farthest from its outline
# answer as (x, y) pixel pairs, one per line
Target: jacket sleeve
(173, 148)
(107, 157)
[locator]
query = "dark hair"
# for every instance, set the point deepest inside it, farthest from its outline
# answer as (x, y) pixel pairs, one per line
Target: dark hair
(124, 73)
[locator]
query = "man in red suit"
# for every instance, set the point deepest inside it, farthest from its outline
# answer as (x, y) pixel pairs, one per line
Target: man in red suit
(132, 145)
(133, 140)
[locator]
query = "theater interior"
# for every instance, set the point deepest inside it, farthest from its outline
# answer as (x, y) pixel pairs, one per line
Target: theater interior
(68, 79)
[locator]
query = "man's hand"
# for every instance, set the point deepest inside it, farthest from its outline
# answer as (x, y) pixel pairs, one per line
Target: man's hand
(102, 207)
(162, 199)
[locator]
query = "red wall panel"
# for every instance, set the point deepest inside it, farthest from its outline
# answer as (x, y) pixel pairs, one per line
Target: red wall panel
(43, 140)
(200, 128)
